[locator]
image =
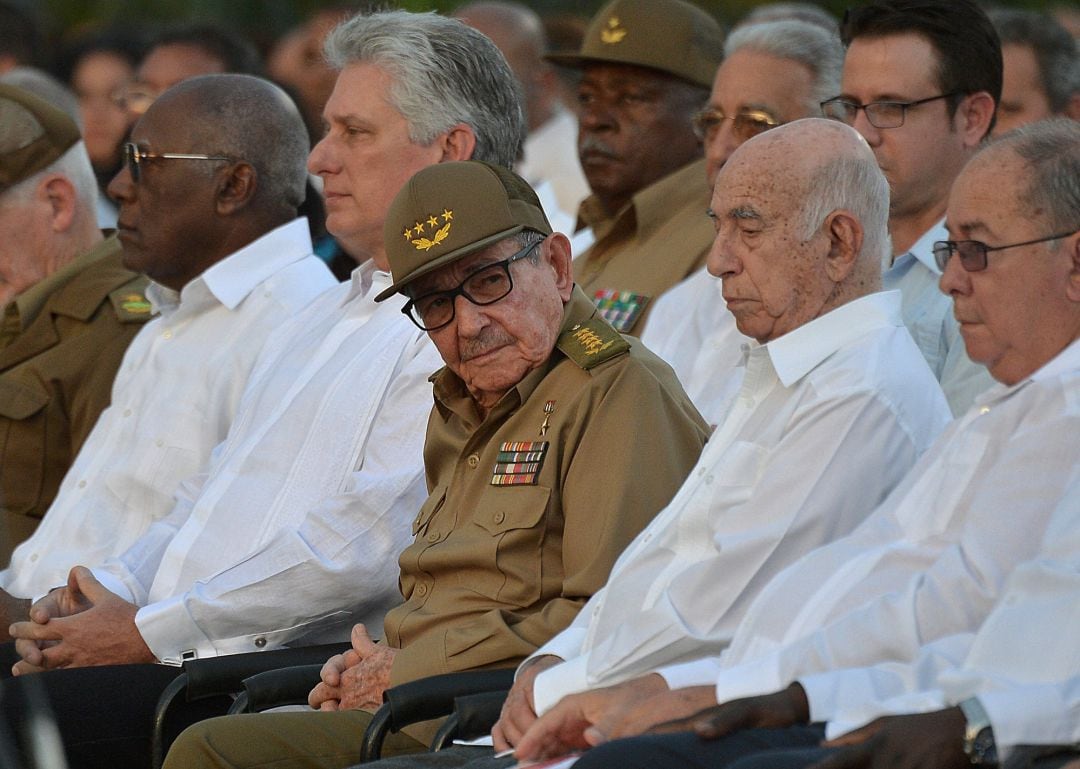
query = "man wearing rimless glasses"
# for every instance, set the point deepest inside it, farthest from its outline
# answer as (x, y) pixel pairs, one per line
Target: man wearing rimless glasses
(773, 73)
(920, 82)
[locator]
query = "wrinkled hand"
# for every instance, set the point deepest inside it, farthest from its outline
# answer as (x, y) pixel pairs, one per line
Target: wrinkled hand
(79, 625)
(664, 712)
(519, 709)
(922, 741)
(356, 679)
(583, 720)
(327, 693)
(786, 707)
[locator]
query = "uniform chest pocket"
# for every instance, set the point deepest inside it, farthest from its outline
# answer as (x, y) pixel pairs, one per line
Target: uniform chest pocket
(509, 534)
(26, 433)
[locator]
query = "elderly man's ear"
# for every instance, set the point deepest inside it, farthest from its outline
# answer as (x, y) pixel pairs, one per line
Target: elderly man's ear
(1071, 245)
(561, 261)
(58, 193)
(845, 235)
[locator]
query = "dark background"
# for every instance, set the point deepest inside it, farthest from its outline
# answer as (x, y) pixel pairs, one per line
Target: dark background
(263, 20)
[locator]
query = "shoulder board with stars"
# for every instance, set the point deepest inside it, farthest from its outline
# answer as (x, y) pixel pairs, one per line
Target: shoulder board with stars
(591, 342)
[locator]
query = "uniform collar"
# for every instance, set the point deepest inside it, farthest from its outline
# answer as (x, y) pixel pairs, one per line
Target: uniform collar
(451, 395)
(651, 207)
(28, 304)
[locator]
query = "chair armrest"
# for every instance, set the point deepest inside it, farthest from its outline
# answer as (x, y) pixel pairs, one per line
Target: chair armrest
(225, 675)
(425, 699)
(274, 688)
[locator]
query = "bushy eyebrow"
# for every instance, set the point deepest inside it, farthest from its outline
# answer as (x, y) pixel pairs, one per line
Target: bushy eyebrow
(743, 213)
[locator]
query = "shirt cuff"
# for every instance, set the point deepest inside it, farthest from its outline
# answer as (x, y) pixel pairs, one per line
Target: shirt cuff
(556, 682)
(757, 676)
(171, 634)
(113, 584)
(700, 672)
(1034, 714)
(565, 645)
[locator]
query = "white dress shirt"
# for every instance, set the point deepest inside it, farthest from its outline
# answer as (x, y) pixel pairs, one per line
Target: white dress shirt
(1023, 663)
(173, 399)
(691, 329)
(829, 418)
(931, 560)
(928, 315)
(295, 530)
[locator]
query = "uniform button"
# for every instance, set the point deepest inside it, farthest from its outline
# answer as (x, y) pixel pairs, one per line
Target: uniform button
(260, 642)
(167, 334)
(433, 536)
(421, 590)
(82, 484)
(499, 517)
(474, 461)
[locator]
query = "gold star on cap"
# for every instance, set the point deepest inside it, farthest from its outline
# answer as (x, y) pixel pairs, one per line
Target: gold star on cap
(433, 220)
(419, 227)
(614, 32)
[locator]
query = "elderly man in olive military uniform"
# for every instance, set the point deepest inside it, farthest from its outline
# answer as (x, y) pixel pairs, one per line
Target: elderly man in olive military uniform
(553, 440)
(70, 308)
(646, 68)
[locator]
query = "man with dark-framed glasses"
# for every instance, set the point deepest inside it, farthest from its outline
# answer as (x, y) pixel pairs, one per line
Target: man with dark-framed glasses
(553, 441)
(920, 82)
(773, 73)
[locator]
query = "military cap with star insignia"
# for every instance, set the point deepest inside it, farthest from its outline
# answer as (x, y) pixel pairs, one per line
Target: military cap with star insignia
(672, 36)
(450, 210)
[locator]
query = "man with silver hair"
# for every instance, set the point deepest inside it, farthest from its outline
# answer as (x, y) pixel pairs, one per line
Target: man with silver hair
(773, 72)
(956, 602)
(1041, 69)
(292, 533)
(70, 307)
(827, 407)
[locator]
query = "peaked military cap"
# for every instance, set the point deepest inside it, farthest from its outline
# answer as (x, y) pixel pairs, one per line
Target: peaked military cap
(33, 134)
(450, 210)
(672, 36)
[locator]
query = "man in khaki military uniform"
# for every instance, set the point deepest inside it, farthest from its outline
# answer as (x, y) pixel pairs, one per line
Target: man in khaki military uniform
(70, 308)
(553, 440)
(647, 67)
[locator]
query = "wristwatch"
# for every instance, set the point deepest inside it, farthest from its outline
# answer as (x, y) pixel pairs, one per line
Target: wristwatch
(979, 745)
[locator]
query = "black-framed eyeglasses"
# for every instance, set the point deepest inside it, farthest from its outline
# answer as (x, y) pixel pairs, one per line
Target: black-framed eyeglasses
(485, 286)
(746, 123)
(133, 157)
(973, 253)
(881, 114)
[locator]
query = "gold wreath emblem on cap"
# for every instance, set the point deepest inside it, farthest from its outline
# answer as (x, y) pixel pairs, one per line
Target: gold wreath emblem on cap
(440, 233)
(614, 33)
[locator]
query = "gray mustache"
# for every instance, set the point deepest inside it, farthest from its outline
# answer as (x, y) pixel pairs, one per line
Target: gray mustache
(599, 146)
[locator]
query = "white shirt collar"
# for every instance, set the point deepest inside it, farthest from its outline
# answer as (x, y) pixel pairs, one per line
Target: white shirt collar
(799, 351)
(923, 249)
(367, 280)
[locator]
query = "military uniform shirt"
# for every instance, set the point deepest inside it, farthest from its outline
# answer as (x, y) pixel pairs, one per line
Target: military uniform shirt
(63, 347)
(656, 241)
(591, 455)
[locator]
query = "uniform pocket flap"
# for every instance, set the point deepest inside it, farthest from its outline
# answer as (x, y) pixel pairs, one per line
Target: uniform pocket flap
(512, 507)
(20, 401)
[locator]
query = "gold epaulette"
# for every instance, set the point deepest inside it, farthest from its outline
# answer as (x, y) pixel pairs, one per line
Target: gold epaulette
(130, 302)
(591, 342)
